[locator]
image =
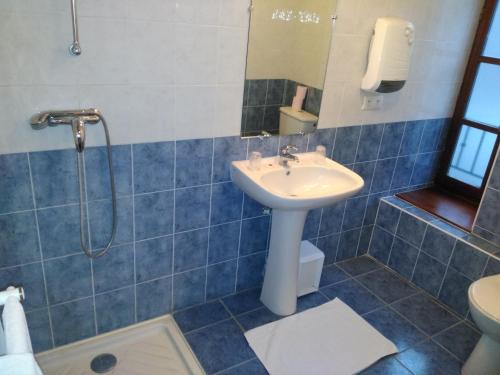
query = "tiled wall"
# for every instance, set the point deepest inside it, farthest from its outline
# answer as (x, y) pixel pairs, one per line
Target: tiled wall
(487, 224)
(184, 76)
(262, 100)
(432, 254)
(185, 234)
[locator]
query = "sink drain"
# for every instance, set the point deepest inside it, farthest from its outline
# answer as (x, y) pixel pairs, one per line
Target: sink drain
(103, 363)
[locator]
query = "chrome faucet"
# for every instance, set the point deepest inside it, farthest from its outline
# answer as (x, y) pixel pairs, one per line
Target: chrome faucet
(286, 155)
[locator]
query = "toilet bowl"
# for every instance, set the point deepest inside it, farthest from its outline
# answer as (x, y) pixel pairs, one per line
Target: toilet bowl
(484, 302)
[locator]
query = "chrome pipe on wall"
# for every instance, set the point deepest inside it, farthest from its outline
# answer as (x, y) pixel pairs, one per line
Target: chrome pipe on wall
(75, 48)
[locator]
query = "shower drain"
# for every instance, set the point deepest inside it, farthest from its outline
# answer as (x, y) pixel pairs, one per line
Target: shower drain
(103, 363)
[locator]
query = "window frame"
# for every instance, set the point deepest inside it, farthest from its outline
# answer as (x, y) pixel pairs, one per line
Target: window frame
(467, 191)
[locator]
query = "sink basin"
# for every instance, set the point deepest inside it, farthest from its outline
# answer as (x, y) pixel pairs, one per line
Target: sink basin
(310, 182)
(307, 184)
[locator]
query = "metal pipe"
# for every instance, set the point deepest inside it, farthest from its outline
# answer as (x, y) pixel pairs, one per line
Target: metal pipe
(75, 48)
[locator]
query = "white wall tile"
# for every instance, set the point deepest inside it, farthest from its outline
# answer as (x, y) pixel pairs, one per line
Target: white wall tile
(229, 104)
(195, 54)
(231, 55)
(194, 111)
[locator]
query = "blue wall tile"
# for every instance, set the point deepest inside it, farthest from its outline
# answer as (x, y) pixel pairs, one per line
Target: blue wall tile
(257, 89)
(332, 219)
(101, 222)
(15, 184)
(221, 279)
(18, 239)
(68, 278)
(365, 170)
(354, 213)
(115, 309)
(364, 239)
(403, 258)
(30, 277)
(403, 171)
(323, 137)
(495, 177)
(425, 167)
(489, 213)
(192, 207)
(266, 146)
(388, 217)
(254, 122)
(60, 230)
(54, 177)
(189, 288)
(346, 143)
(468, 260)
(275, 91)
(97, 171)
(254, 235)
(154, 215)
(115, 269)
(75, 321)
(380, 245)
(193, 162)
(39, 329)
(372, 208)
(311, 225)
(430, 135)
(454, 291)
(411, 229)
(369, 142)
(383, 175)
(226, 203)
(224, 242)
(492, 268)
(348, 244)
(391, 140)
(155, 298)
(329, 246)
(297, 140)
(226, 150)
(153, 258)
(190, 250)
(429, 274)
(153, 166)
(250, 271)
(251, 208)
(412, 136)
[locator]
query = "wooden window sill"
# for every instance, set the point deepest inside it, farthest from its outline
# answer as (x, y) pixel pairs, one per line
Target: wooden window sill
(442, 204)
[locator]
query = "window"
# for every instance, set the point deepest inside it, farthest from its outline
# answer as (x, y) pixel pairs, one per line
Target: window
(474, 134)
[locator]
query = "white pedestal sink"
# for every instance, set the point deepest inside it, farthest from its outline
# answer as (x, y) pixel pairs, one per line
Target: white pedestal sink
(311, 182)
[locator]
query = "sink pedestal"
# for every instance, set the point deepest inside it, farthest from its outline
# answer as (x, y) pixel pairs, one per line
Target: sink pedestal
(279, 292)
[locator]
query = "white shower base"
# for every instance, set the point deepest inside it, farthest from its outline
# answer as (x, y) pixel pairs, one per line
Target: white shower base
(153, 347)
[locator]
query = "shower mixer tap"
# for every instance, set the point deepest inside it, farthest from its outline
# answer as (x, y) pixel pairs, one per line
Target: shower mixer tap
(76, 118)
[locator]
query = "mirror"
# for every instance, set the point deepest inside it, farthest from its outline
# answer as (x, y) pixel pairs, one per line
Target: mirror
(288, 49)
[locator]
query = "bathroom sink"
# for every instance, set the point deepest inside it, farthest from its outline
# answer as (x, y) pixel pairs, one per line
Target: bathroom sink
(307, 184)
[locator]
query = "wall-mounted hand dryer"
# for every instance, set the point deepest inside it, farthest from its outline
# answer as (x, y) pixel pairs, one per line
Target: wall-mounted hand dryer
(389, 56)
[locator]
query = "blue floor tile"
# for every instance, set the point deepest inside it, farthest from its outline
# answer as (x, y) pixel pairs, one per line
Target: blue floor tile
(395, 328)
(386, 285)
(310, 300)
(256, 318)
(358, 266)
(425, 313)
(386, 366)
(331, 275)
(243, 302)
(253, 367)
(428, 358)
(200, 316)
(354, 295)
(220, 346)
(460, 340)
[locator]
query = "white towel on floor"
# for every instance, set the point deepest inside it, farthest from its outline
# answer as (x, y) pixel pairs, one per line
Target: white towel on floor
(329, 339)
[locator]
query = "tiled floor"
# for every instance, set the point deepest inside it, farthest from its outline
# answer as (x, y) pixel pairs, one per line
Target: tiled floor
(431, 339)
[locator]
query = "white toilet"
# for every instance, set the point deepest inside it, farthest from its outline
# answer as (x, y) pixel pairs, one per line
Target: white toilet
(484, 302)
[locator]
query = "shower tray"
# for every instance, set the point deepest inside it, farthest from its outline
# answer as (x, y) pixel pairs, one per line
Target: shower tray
(153, 347)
